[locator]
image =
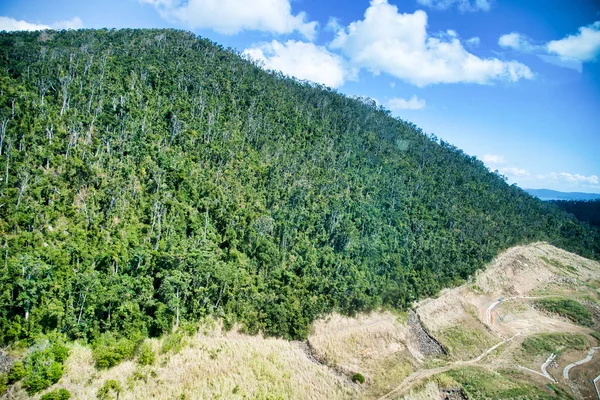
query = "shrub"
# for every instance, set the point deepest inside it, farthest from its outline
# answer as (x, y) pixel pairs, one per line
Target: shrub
(358, 378)
(54, 372)
(17, 372)
(173, 342)
(110, 386)
(3, 384)
(108, 351)
(41, 367)
(146, 355)
(60, 352)
(57, 394)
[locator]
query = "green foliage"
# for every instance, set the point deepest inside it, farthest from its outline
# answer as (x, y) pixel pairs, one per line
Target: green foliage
(150, 178)
(146, 355)
(17, 372)
(585, 210)
(172, 343)
(3, 383)
(479, 383)
(558, 264)
(545, 343)
(41, 367)
(109, 351)
(464, 341)
(358, 378)
(109, 388)
(57, 394)
(596, 335)
(571, 309)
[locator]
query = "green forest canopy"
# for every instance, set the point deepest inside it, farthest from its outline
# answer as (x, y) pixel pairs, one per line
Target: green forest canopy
(150, 177)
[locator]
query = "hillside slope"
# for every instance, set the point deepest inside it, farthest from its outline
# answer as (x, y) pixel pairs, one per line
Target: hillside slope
(495, 358)
(153, 178)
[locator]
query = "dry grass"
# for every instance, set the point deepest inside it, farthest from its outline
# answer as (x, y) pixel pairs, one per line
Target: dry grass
(223, 366)
(375, 345)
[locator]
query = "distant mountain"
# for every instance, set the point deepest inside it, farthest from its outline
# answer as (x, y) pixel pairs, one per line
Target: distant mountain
(547, 194)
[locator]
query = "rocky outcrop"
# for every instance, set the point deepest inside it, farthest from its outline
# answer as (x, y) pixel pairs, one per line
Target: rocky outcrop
(428, 346)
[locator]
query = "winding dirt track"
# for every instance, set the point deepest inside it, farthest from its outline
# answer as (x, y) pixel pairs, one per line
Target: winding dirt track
(421, 374)
(590, 354)
(425, 373)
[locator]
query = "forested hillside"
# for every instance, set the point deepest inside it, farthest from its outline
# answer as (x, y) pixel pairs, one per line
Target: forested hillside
(149, 177)
(585, 210)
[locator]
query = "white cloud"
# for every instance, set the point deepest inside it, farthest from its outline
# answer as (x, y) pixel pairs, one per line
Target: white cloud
(584, 46)
(492, 159)
(398, 44)
(462, 5)
(562, 179)
(74, 23)
(10, 24)
(573, 178)
(473, 42)
(512, 171)
(568, 52)
(232, 16)
(302, 60)
(516, 41)
(413, 103)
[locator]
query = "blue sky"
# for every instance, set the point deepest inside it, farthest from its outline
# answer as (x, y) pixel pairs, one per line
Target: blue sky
(516, 83)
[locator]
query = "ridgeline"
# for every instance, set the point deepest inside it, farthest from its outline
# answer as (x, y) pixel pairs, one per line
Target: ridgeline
(151, 178)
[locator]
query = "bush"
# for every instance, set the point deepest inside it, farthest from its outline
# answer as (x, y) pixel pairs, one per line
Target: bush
(42, 366)
(3, 384)
(358, 378)
(17, 372)
(54, 372)
(146, 355)
(109, 351)
(60, 352)
(110, 386)
(35, 382)
(57, 394)
(173, 342)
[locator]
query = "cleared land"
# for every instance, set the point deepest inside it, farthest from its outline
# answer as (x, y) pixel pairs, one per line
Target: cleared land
(480, 339)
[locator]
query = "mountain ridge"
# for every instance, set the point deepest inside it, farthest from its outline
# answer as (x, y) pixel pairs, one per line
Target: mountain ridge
(548, 194)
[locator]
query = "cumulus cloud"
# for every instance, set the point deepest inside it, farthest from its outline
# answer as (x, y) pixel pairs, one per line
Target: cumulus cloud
(398, 44)
(302, 60)
(562, 179)
(517, 41)
(584, 46)
(462, 5)
(492, 159)
(413, 103)
(232, 16)
(573, 178)
(10, 24)
(569, 52)
(512, 171)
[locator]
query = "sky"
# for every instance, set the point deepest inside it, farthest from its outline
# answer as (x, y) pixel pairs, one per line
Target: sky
(514, 82)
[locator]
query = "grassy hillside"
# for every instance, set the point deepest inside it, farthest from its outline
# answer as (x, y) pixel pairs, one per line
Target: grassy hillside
(150, 178)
